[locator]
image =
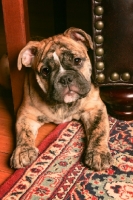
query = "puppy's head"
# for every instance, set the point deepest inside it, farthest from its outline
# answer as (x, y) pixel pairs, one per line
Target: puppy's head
(61, 65)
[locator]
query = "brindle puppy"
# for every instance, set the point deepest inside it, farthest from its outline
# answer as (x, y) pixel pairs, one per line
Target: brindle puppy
(57, 89)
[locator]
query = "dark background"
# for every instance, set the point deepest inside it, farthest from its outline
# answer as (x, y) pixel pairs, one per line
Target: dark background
(49, 17)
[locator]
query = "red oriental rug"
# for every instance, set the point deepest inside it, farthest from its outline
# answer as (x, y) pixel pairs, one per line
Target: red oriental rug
(58, 172)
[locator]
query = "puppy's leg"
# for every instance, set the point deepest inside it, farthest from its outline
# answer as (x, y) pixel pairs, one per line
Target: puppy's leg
(97, 155)
(25, 152)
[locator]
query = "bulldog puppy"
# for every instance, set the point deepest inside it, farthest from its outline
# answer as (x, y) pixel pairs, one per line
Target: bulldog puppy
(58, 89)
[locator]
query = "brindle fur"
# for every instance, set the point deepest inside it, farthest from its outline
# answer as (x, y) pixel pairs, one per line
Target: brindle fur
(47, 98)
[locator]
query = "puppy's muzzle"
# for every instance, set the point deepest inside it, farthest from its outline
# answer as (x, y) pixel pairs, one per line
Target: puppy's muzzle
(70, 86)
(66, 80)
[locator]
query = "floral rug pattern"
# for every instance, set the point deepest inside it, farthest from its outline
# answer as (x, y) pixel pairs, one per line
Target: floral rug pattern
(59, 173)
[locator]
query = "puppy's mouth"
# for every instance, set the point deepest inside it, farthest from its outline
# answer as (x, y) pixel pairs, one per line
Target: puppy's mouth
(71, 95)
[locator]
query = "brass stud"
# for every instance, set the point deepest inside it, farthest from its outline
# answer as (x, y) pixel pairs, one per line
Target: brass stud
(115, 76)
(100, 78)
(99, 25)
(125, 76)
(99, 51)
(99, 65)
(99, 10)
(99, 39)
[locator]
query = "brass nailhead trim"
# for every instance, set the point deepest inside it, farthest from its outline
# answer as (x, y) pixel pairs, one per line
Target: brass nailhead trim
(125, 76)
(99, 25)
(100, 65)
(99, 10)
(99, 39)
(115, 76)
(99, 51)
(100, 78)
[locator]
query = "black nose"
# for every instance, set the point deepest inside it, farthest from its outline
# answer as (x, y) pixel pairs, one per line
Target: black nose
(66, 79)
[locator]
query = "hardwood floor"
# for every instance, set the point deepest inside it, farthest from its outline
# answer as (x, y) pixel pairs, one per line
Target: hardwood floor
(7, 134)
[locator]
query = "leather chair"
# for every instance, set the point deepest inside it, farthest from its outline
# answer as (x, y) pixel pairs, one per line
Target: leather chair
(112, 23)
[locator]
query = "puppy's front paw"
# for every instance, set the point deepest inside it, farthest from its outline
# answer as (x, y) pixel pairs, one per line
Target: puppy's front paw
(23, 156)
(98, 160)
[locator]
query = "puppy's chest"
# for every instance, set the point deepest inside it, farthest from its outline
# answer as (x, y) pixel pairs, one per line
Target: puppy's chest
(59, 115)
(64, 115)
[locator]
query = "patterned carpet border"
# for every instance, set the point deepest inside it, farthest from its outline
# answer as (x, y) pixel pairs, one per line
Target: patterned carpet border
(58, 172)
(4, 188)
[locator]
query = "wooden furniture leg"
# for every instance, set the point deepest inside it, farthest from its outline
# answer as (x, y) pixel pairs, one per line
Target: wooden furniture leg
(16, 22)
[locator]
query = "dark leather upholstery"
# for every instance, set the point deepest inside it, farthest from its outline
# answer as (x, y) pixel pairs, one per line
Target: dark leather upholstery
(113, 20)
(118, 41)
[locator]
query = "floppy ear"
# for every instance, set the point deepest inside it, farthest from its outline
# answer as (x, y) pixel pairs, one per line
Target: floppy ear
(80, 36)
(27, 54)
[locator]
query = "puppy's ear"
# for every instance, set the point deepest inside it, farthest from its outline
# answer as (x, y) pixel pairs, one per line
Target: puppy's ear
(27, 54)
(80, 36)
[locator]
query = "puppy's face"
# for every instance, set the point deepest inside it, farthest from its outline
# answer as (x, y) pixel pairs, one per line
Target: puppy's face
(61, 64)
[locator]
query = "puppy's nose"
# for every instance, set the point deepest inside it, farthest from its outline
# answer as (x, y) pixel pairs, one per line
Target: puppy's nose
(66, 79)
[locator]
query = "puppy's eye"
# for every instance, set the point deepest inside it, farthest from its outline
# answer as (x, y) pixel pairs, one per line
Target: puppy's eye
(45, 71)
(77, 61)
